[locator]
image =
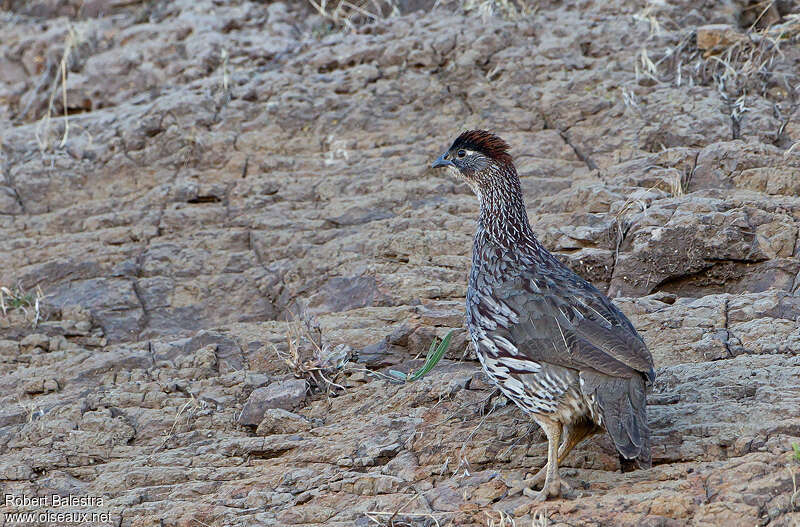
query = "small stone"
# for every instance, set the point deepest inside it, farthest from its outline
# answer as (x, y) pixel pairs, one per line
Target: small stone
(479, 381)
(256, 380)
(95, 342)
(279, 421)
(344, 462)
(205, 357)
(33, 386)
(35, 340)
(279, 498)
(358, 376)
(288, 394)
(39, 385)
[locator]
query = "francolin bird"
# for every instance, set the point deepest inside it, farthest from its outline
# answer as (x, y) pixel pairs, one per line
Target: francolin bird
(550, 341)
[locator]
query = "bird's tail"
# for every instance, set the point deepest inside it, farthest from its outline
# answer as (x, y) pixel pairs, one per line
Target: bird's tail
(623, 406)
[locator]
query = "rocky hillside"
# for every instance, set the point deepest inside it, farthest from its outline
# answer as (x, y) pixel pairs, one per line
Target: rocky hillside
(219, 231)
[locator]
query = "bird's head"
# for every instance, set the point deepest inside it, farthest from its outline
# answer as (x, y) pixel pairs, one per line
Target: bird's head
(480, 157)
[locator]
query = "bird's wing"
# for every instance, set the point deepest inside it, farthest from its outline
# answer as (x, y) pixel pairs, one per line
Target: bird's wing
(562, 319)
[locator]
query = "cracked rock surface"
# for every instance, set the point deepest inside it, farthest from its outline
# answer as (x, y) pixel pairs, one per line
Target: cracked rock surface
(228, 164)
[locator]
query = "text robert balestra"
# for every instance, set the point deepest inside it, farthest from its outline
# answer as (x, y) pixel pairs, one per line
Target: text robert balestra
(53, 500)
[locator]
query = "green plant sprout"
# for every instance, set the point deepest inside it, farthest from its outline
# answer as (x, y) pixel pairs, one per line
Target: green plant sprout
(435, 354)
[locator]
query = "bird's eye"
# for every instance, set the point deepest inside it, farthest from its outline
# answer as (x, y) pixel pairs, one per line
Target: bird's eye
(461, 153)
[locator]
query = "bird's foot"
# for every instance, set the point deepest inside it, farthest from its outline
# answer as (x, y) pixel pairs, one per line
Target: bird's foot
(551, 489)
(525, 486)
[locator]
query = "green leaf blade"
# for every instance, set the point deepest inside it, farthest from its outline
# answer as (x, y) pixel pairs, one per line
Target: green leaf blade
(434, 356)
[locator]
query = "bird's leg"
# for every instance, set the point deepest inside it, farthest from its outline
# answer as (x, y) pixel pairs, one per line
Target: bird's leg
(574, 435)
(552, 481)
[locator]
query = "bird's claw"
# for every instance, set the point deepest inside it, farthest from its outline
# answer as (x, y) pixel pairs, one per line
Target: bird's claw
(516, 486)
(551, 489)
(537, 496)
(521, 486)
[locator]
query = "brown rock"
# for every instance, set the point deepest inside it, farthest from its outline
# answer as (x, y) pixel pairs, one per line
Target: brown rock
(35, 340)
(280, 421)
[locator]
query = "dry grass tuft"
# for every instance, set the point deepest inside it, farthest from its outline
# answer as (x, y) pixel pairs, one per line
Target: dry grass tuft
(30, 304)
(182, 418)
(399, 518)
(351, 13)
(743, 61)
(309, 358)
(506, 520)
(679, 181)
(508, 9)
(539, 518)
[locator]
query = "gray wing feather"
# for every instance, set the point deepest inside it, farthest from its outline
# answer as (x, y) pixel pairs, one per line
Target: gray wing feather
(577, 328)
(621, 345)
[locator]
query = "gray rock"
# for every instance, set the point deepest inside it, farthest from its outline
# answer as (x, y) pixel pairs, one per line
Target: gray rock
(345, 293)
(286, 395)
(12, 415)
(256, 380)
(112, 302)
(228, 354)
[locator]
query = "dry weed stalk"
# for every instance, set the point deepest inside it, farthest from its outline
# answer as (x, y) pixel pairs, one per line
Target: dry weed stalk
(645, 66)
(463, 461)
(188, 409)
(625, 217)
(379, 517)
(647, 15)
(72, 41)
(539, 518)
(311, 359)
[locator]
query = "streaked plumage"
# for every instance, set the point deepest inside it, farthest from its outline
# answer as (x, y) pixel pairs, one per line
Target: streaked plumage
(551, 341)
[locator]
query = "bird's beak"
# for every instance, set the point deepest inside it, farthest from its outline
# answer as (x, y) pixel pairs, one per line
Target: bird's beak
(442, 162)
